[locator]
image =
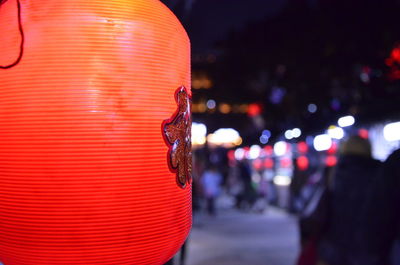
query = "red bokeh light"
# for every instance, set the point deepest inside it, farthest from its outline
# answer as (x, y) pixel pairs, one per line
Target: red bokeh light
(331, 161)
(268, 163)
(394, 75)
(394, 63)
(246, 151)
(254, 109)
(366, 70)
(363, 133)
(231, 155)
(257, 164)
(302, 163)
(333, 149)
(268, 150)
(396, 54)
(302, 147)
(286, 162)
(389, 62)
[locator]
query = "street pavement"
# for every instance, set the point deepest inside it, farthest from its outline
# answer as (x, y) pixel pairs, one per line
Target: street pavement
(243, 238)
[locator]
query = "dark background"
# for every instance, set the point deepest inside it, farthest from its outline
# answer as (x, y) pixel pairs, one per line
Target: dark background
(279, 56)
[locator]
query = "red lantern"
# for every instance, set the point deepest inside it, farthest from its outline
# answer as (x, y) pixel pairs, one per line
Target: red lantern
(94, 135)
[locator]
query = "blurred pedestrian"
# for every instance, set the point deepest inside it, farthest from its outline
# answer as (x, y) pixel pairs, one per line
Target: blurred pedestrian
(345, 240)
(384, 212)
(314, 214)
(248, 195)
(392, 172)
(300, 178)
(211, 181)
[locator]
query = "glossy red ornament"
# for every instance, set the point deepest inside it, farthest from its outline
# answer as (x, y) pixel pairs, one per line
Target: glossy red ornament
(85, 86)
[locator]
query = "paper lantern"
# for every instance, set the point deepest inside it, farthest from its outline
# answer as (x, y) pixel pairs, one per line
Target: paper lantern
(94, 132)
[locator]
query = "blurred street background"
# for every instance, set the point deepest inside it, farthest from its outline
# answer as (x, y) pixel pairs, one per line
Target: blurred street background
(296, 119)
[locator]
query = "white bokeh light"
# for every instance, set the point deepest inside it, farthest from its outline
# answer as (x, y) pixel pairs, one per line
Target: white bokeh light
(211, 104)
(199, 132)
(336, 132)
(391, 131)
(322, 142)
(282, 180)
(255, 151)
(280, 148)
(225, 136)
(296, 132)
(288, 134)
(312, 108)
(239, 153)
(346, 121)
(264, 139)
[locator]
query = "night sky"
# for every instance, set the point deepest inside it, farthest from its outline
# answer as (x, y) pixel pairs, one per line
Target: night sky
(208, 21)
(329, 52)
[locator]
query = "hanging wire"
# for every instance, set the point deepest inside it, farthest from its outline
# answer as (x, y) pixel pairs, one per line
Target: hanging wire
(21, 31)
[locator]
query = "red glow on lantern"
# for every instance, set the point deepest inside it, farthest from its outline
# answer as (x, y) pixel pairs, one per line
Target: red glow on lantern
(302, 147)
(268, 163)
(254, 109)
(302, 163)
(331, 161)
(363, 133)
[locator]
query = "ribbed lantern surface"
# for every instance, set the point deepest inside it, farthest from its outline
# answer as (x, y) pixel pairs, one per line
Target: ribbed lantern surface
(84, 173)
